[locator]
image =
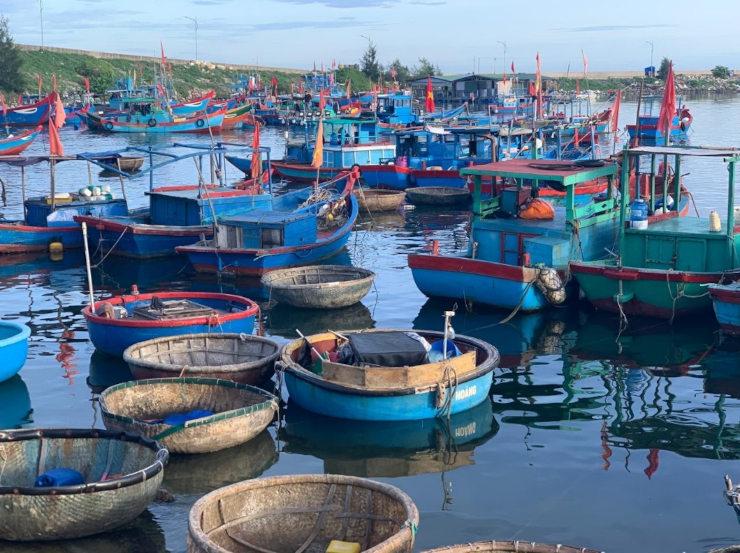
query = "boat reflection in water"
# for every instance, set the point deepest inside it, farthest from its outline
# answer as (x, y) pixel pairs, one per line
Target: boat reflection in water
(283, 320)
(143, 534)
(106, 371)
(196, 475)
(389, 449)
(118, 274)
(15, 403)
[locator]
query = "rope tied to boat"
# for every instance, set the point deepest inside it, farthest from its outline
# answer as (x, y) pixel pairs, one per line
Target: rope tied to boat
(110, 250)
(445, 395)
(681, 293)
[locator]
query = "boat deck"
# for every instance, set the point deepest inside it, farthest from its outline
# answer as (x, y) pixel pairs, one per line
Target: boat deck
(684, 226)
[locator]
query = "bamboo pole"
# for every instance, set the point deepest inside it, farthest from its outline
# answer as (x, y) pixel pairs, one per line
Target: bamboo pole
(88, 268)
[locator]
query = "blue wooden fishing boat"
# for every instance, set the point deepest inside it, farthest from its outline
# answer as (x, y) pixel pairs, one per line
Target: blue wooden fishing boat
(16, 143)
(303, 228)
(50, 219)
(646, 129)
(13, 348)
(352, 375)
(156, 122)
(726, 301)
(177, 215)
(394, 109)
(28, 115)
(512, 261)
(118, 322)
(348, 142)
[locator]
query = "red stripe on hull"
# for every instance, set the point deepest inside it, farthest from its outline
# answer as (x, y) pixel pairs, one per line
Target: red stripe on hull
(635, 273)
(143, 228)
(470, 266)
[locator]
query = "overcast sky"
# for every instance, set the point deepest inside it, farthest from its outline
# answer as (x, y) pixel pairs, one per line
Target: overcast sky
(457, 35)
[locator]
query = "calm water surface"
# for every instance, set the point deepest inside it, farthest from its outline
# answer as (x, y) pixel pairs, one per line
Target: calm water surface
(616, 444)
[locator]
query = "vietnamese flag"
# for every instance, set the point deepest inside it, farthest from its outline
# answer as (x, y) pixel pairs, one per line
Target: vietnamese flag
(86, 82)
(429, 101)
(615, 111)
(668, 106)
(256, 168)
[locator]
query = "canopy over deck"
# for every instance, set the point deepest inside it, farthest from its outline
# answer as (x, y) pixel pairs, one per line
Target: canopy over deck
(699, 151)
(567, 174)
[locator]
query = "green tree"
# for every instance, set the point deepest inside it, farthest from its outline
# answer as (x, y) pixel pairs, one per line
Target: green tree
(11, 79)
(721, 72)
(425, 69)
(369, 62)
(663, 69)
(403, 73)
(101, 78)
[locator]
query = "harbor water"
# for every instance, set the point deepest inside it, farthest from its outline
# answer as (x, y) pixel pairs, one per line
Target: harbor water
(619, 443)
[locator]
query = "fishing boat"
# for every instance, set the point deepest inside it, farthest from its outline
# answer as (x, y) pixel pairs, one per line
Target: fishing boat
(726, 302)
(372, 200)
(48, 221)
(14, 144)
(241, 117)
(189, 415)
(319, 286)
(304, 227)
(238, 357)
(28, 115)
(152, 123)
(13, 348)
(647, 130)
(518, 241)
(69, 483)
(387, 375)
(118, 322)
(178, 215)
(312, 512)
(663, 266)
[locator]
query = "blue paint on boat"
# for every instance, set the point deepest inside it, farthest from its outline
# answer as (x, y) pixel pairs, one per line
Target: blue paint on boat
(416, 406)
(726, 302)
(13, 348)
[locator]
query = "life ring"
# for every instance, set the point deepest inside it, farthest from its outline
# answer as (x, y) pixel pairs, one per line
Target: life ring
(108, 126)
(200, 123)
(152, 122)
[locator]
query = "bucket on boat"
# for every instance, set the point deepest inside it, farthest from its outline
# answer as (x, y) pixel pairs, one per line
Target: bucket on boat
(639, 214)
(715, 224)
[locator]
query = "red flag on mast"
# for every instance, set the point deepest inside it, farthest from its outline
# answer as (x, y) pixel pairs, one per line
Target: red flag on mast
(513, 69)
(668, 106)
(274, 83)
(538, 85)
(318, 151)
(86, 82)
(615, 111)
(56, 120)
(429, 99)
(585, 62)
(256, 167)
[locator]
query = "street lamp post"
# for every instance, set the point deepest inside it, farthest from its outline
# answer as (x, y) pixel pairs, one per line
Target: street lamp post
(195, 24)
(502, 43)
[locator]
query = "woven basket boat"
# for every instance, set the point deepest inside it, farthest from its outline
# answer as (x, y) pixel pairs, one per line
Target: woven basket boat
(438, 195)
(286, 514)
(240, 412)
(122, 474)
(319, 286)
(375, 199)
(242, 358)
(510, 547)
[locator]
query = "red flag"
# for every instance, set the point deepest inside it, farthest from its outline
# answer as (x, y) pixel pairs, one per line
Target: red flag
(615, 111)
(256, 168)
(668, 106)
(164, 58)
(274, 83)
(429, 101)
(86, 82)
(59, 115)
(318, 151)
(578, 86)
(538, 85)
(55, 143)
(532, 90)
(54, 82)
(513, 69)
(585, 62)
(20, 99)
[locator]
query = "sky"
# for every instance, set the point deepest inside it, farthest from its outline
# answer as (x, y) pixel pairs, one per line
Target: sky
(459, 36)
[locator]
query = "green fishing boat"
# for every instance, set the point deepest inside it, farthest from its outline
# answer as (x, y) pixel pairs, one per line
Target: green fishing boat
(664, 267)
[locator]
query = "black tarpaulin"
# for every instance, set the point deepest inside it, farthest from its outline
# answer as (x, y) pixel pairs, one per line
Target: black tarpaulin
(387, 349)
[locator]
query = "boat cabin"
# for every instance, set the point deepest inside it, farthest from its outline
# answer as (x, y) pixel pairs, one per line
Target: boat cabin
(697, 244)
(193, 205)
(267, 230)
(396, 108)
(580, 228)
(448, 148)
(43, 212)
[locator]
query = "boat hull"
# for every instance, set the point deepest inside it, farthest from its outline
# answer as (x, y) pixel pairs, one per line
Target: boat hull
(141, 241)
(17, 144)
(203, 124)
(392, 177)
(493, 284)
(29, 115)
(646, 292)
(113, 336)
(13, 348)
(726, 302)
(301, 173)
(20, 238)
